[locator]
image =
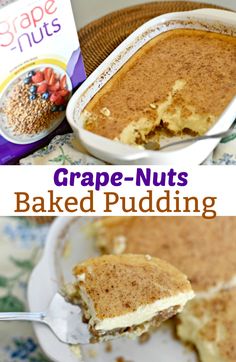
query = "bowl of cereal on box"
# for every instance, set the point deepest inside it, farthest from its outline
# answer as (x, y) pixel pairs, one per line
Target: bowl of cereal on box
(33, 104)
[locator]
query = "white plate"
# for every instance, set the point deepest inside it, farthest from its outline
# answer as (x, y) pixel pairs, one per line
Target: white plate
(117, 153)
(69, 242)
(21, 139)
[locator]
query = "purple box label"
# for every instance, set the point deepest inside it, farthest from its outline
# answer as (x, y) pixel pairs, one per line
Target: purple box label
(42, 65)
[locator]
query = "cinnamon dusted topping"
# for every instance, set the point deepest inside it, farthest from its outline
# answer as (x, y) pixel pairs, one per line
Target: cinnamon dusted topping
(180, 82)
(194, 245)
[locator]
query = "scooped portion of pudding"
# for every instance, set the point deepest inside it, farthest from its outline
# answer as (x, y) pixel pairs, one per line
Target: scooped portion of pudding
(177, 84)
(209, 325)
(127, 295)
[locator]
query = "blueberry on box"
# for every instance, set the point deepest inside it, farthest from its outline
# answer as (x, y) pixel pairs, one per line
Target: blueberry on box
(54, 108)
(62, 108)
(45, 96)
(31, 73)
(27, 80)
(32, 97)
(33, 89)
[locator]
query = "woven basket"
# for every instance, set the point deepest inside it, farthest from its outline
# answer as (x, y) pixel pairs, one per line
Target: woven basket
(99, 38)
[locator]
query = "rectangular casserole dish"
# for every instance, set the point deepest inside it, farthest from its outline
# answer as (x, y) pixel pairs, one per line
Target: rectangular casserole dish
(218, 21)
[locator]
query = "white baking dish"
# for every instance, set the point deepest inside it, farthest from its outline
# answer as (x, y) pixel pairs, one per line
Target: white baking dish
(69, 242)
(116, 153)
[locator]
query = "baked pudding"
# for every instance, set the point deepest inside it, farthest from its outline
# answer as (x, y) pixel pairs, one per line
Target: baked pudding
(203, 249)
(127, 295)
(209, 325)
(178, 83)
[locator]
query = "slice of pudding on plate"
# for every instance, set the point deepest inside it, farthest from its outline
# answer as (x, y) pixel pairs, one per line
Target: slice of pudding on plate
(127, 295)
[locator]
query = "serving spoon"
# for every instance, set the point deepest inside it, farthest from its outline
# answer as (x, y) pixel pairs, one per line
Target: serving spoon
(63, 318)
(155, 146)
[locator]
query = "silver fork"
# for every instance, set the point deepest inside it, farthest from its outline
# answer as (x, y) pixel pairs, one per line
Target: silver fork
(64, 319)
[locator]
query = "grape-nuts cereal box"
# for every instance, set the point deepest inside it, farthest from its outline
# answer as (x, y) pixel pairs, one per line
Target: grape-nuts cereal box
(41, 64)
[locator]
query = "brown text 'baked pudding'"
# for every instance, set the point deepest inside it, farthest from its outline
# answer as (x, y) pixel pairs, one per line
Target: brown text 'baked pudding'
(178, 83)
